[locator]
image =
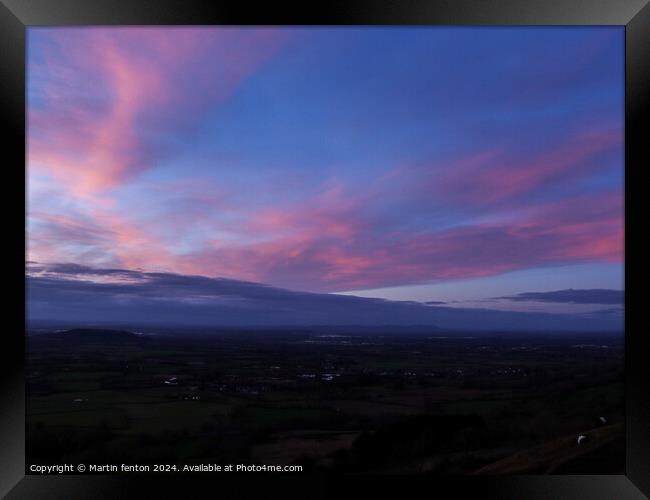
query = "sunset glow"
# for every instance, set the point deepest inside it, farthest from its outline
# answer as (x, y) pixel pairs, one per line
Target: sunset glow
(331, 160)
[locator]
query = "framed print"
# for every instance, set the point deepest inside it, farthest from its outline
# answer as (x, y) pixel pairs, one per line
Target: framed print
(352, 241)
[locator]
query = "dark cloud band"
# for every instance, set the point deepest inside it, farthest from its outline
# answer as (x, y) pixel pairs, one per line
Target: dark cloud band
(571, 296)
(75, 293)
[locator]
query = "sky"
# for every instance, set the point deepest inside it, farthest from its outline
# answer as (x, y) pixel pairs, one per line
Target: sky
(465, 166)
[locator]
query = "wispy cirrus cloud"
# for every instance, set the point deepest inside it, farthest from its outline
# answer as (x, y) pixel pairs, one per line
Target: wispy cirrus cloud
(503, 175)
(109, 103)
(357, 252)
(330, 246)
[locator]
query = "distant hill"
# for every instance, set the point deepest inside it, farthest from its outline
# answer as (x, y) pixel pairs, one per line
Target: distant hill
(98, 335)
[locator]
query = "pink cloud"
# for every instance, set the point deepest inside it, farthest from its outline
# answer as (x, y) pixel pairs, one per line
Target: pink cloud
(319, 244)
(109, 94)
(312, 253)
(495, 175)
(108, 99)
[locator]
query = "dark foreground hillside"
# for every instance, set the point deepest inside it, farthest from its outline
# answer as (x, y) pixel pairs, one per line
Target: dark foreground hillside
(333, 401)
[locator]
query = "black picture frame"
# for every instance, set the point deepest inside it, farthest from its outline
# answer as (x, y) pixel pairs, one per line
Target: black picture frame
(17, 15)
